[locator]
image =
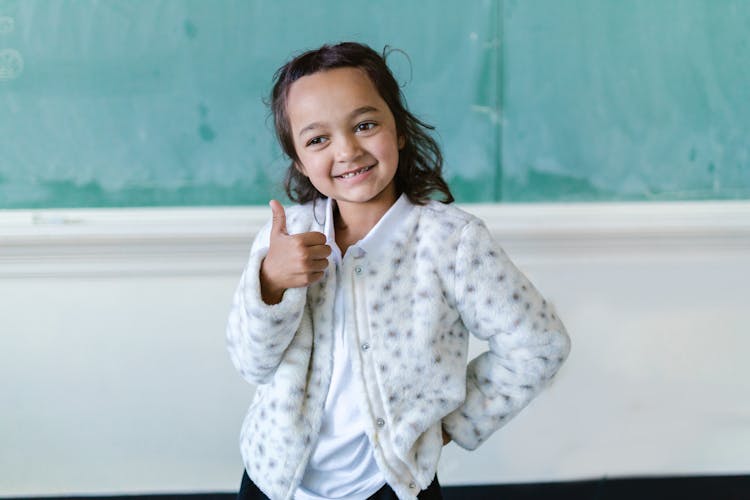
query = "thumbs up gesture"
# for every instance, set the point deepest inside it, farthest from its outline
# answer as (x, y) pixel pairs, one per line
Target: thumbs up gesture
(293, 260)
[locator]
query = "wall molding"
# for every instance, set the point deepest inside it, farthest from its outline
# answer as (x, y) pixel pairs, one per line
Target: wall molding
(194, 241)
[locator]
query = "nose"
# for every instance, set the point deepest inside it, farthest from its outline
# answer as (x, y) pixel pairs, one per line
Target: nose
(348, 148)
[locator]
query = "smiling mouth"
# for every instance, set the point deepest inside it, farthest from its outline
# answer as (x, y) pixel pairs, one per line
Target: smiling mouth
(349, 175)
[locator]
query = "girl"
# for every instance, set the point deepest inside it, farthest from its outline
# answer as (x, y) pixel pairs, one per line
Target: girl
(354, 312)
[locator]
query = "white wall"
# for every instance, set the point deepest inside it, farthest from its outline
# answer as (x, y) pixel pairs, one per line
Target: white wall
(114, 377)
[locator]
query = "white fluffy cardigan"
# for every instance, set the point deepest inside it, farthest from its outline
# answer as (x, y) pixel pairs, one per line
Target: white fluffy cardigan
(440, 278)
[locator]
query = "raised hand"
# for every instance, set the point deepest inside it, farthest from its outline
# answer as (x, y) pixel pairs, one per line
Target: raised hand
(293, 260)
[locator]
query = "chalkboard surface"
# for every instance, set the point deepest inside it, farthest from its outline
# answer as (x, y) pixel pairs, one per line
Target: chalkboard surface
(626, 100)
(159, 102)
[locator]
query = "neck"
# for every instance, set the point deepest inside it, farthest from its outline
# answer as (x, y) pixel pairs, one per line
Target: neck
(354, 220)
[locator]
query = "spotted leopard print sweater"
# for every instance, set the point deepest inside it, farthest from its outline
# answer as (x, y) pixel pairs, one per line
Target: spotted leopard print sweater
(440, 278)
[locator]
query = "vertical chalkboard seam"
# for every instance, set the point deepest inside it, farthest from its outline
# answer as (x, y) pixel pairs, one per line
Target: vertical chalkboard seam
(498, 97)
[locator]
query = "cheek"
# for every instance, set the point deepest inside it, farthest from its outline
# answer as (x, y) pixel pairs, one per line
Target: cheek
(384, 143)
(305, 162)
(300, 168)
(388, 149)
(313, 167)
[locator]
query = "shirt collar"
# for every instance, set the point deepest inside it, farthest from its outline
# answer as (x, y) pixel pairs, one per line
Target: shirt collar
(388, 224)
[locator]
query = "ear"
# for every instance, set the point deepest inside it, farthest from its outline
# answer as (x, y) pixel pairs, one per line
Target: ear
(401, 142)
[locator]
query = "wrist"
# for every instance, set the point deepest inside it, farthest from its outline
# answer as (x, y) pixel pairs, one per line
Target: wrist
(446, 437)
(270, 293)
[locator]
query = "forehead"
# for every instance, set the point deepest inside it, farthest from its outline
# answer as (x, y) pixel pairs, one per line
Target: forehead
(327, 95)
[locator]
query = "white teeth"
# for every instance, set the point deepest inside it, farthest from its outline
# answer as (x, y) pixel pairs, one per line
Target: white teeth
(357, 172)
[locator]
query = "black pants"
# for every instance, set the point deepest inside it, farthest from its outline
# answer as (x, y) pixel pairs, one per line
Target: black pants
(248, 491)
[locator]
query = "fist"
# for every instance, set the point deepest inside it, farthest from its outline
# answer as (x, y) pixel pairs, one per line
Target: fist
(293, 260)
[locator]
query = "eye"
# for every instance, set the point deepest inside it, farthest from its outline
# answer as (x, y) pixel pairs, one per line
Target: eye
(316, 141)
(365, 126)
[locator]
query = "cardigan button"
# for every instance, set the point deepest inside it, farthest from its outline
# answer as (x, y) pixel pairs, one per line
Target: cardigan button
(380, 422)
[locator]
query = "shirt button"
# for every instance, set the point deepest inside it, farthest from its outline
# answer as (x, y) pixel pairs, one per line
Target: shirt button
(365, 346)
(358, 269)
(412, 485)
(380, 422)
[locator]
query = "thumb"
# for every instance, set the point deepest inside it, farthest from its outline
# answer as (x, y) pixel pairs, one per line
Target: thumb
(278, 224)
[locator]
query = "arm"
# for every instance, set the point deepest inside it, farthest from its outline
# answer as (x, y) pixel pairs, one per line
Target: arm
(527, 341)
(269, 302)
(258, 333)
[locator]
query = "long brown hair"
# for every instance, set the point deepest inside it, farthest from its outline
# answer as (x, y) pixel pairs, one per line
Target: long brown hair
(420, 161)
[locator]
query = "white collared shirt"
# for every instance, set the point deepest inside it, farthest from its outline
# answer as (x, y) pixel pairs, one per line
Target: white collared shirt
(342, 464)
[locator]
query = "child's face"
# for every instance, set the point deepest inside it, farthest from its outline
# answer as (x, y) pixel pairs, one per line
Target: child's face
(345, 137)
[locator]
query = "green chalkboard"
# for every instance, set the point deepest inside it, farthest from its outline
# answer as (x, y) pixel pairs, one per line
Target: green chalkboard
(160, 102)
(626, 100)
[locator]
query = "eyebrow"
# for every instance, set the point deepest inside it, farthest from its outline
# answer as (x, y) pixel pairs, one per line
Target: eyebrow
(359, 111)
